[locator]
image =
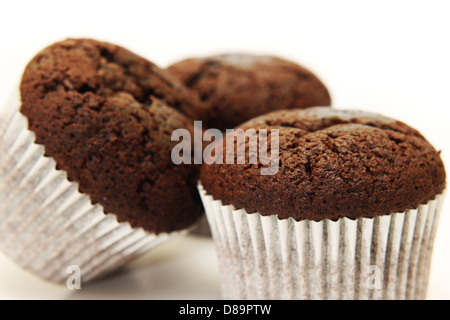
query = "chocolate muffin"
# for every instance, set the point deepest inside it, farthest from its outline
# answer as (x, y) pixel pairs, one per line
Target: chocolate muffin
(106, 116)
(234, 88)
(87, 182)
(333, 164)
(353, 192)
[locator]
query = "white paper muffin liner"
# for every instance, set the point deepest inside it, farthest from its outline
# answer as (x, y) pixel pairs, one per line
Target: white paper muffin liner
(46, 225)
(263, 257)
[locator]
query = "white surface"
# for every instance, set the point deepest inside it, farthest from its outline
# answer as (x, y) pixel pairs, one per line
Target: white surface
(389, 57)
(185, 268)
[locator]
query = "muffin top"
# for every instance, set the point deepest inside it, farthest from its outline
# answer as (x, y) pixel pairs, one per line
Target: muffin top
(234, 88)
(103, 115)
(332, 164)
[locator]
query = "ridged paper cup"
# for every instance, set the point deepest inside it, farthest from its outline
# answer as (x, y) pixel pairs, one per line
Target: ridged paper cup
(263, 257)
(46, 225)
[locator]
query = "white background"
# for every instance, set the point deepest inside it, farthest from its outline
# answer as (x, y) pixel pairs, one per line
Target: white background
(390, 57)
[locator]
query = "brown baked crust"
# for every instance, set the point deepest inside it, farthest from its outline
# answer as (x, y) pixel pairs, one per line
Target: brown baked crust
(333, 164)
(237, 87)
(93, 106)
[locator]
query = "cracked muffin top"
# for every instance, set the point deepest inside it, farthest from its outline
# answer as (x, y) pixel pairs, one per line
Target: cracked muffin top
(106, 116)
(234, 88)
(332, 164)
